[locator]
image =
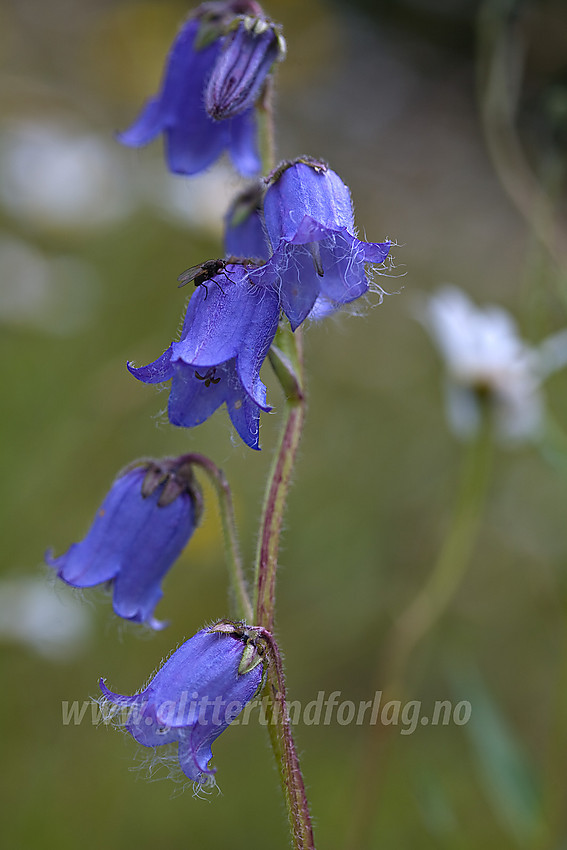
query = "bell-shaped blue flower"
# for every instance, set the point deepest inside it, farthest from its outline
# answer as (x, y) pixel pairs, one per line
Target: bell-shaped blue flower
(193, 140)
(245, 232)
(248, 54)
(199, 690)
(138, 532)
(318, 264)
(228, 329)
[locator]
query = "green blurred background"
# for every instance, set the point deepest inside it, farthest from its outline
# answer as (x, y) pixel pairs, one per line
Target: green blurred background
(93, 238)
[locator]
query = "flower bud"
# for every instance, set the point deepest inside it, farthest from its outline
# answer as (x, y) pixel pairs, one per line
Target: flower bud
(193, 140)
(248, 54)
(244, 234)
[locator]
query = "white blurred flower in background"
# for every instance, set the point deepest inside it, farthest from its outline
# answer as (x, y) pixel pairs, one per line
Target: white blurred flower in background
(486, 359)
(199, 202)
(57, 178)
(52, 176)
(56, 295)
(50, 621)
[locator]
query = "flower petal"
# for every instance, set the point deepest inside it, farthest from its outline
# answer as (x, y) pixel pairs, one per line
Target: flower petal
(133, 540)
(241, 70)
(187, 70)
(194, 141)
(146, 127)
(162, 539)
(77, 569)
(195, 762)
(183, 64)
(245, 234)
(157, 372)
(291, 272)
(217, 319)
(257, 339)
(98, 557)
(243, 144)
(344, 273)
(191, 402)
(309, 230)
(118, 699)
(192, 699)
(376, 252)
(300, 191)
(245, 416)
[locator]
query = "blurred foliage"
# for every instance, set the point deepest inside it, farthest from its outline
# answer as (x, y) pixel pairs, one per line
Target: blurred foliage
(390, 102)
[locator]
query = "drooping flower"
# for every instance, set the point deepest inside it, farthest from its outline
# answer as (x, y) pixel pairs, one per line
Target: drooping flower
(248, 54)
(194, 140)
(318, 264)
(245, 232)
(138, 532)
(488, 363)
(229, 326)
(199, 690)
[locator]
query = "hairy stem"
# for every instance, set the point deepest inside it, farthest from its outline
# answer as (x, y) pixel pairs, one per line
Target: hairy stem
(231, 548)
(266, 129)
(279, 726)
(281, 738)
(288, 367)
(274, 506)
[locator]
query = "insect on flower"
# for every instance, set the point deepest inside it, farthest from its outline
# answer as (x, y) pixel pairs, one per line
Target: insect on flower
(208, 270)
(232, 333)
(204, 272)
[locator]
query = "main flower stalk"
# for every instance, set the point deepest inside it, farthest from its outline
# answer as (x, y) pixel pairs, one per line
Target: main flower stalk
(279, 726)
(288, 367)
(275, 500)
(277, 490)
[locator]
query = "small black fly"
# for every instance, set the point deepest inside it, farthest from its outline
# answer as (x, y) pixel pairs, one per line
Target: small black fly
(211, 268)
(204, 272)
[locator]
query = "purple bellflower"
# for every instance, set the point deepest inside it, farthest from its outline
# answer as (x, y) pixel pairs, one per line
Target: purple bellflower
(228, 329)
(199, 690)
(137, 534)
(247, 57)
(244, 232)
(194, 140)
(318, 264)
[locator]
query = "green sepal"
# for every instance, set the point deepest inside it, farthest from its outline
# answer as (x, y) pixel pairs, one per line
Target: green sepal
(227, 627)
(285, 362)
(212, 26)
(251, 657)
